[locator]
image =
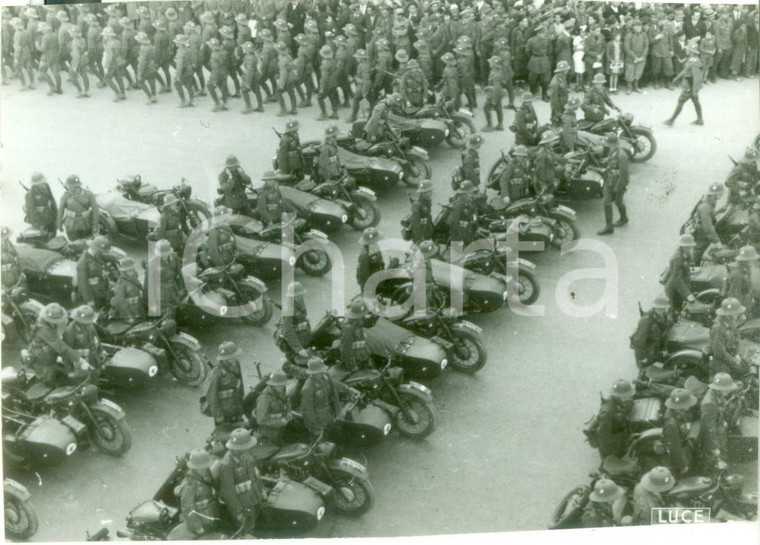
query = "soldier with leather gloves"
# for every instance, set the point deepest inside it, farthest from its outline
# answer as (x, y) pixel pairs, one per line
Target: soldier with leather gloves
(127, 303)
(370, 257)
(354, 351)
(40, 207)
(470, 169)
(293, 334)
(612, 420)
(10, 265)
(616, 178)
(92, 279)
(240, 486)
(515, 179)
(48, 344)
(421, 219)
(82, 336)
(164, 284)
(78, 211)
(198, 499)
(715, 419)
(273, 410)
(647, 495)
(739, 281)
(232, 183)
(596, 101)
(225, 392)
(462, 221)
(269, 203)
(289, 156)
(320, 401)
(724, 339)
(677, 277)
(329, 164)
(649, 339)
(676, 427)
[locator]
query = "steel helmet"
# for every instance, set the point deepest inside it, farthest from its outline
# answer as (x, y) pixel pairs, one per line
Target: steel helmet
(278, 378)
(750, 155)
(599, 79)
(199, 459)
(562, 66)
(661, 302)
(730, 307)
(680, 399)
(292, 125)
(402, 55)
(723, 382)
(127, 264)
(686, 241)
(5, 232)
(162, 248)
(467, 187)
(369, 236)
(228, 350)
(332, 130)
(716, 189)
(231, 161)
(73, 180)
(520, 151)
(611, 140)
(658, 480)
(606, 491)
(426, 186)
(54, 314)
(241, 439)
(475, 141)
(622, 389)
(548, 137)
(499, 203)
(428, 248)
(295, 289)
(84, 315)
(527, 96)
(315, 366)
(747, 253)
(356, 310)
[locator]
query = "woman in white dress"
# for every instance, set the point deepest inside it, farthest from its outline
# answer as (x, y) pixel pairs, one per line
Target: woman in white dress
(579, 67)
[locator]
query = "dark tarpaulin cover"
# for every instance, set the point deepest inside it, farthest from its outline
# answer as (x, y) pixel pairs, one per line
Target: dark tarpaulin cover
(36, 259)
(385, 336)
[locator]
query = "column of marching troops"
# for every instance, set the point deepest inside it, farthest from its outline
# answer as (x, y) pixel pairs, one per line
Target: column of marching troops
(346, 52)
(715, 407)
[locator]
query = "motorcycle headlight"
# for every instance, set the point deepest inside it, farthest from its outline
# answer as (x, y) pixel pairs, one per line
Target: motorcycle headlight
(89, 394)
(628, 119)
(185, 191)
(169, 327)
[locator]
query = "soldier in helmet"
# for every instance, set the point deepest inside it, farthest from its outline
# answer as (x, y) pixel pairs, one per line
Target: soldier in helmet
(163, 280)
(515, 180)
(23, 48)
(114, 63)
(704, 231)
(362, 81)
(127, 303)
(40, 207)
(738, 284)
(269, 204)
(320, 401)
(273, 409)
(470, 168)
(494, 95)
(649, 339)
(10, 266)
(691, 78)
(606, 505)
(171, 224)
(743, 177)
(268, 64)
(343, 61)
(370, 257)
(354, 351)
(184, 70)
(451, 88)
(539, 63)
(383, 81)
(413, 85)
(293, 335)
(616, 177)
(78, 211)
(753, 224)
(289, 156)
(462, 221)
(677, 279)
(251, 81)
(328, 83)
(613, 419)
(675, 430)
(596, 101)
(504, 52)
(377, 127)
(240, 485)
(304, 71)
(466, 70)
(647, 495)
(232, 183)
(198, 499)
(146, 67)
(92, 276)
(636, 48)
(47, 345)
(569, 124)
(545, 163)
(724, 339)
(80, 63)
(225, 391)
(218, 77)
(49, 59)
(286, 80)
(526, 122)
(715, 418)
(329, 165)
(558, 91)
(221, 247)
(82, 336)
(421, 219)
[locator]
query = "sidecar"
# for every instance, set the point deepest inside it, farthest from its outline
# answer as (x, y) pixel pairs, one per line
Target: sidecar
(425, 132)
(731, 221)
(378, 172)
(320, 214)
(264, 260)
(480, 293)
(120, 216)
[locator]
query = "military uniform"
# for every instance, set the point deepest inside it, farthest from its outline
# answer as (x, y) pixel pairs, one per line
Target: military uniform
(545, 165)
(9, 264)
(183, 74)
(162, 46)
(616, 177)
(376, 126)
(558, 95)
(240, 487)
(539, 64)
(218, 78)
(613, 431)
(495, 95)
(471, 166)
(451, 89)
(466, 70)
(114, 65)
(414, 87)
(514, 181)
(273, 412)
(269, 205)
(44, 349)
(40, 208)
(286, 81)
(164, 290)
(95, 50)
(329, 162)
(294, 332)
(78, 213)
(289, 157)
(383, 81)
(354, 351)
(363, 86)
(648, 341)
(225, 392)
(675, 433)
(704, 233)
(713, 427)
(320, 403)
(595, 103)
(526, 125)
(83, 338)
(49, 61)
(370, 262)
(421, 220)
(643, 503)
(724, 349)
(251, 80)
(147, 69)
(92, 281)
(232, 184)
(462, 221)
(739, 286)
(22, 55)
(221, 248)
(678, 279)
(127, 301)
(80, 65)
(199, 505)
(328, 86)
(171, 228)
(304, 70)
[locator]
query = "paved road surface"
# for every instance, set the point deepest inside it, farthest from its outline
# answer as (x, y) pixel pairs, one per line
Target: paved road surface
(509, 441)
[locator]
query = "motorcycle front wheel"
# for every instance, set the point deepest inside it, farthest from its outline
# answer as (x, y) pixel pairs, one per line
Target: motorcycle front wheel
(366, 215)
(315, 262)
(528, 288)
(188, 366)
(566, 230)
(261, 316)
(568, 512)
(645, 146)
(196, 213)
(468, 354)
(421, 420)
(355, 495)
(21, 521)
(110, 436)
(416, 170)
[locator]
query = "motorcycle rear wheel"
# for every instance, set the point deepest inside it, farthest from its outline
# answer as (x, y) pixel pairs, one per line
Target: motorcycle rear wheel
(315, 262)
(196, 214)
(21, 521)
(566, 231)
(115, 437)
(564, 517)
(359, 494)
(261, 316)
(468, 355)
(422, 419)
(645, 139)
(458, 138)
(188, 366)
(416, 170)
(371, 213)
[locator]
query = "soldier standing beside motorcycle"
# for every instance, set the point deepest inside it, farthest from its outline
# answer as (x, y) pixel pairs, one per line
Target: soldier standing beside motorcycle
(362, 82)
(545, 164)
(232, 183)
(647, 495)
(648, 341)
(616, 178)
(163, 280)
(289, 156)
(739, 281)
(526, 122)
(171, 224)
(269, 204)
(10, 266)
(225, 392)
(273, 410)
(82, 336)
(606, 505)
(612, 420)
(704, 230)
(494, 95)
(240, 486)
(596, 100)
(320, 402)
(421, 219)
(569, 124)
(450, 87)
(92, 279)
(47, 345)
(470, 169)
(414, 86)
(558, 91)
(714, 420)
(329, 165)
(515, 179)
(293, 333)
(724, 338)
(127, 303)
(675, 430)
(221, 247)
(677, 277)
(198, 502)
(40, 206)
(354, 352)
(377, 126)
(78, 211)
(462, 222)
(370, 257)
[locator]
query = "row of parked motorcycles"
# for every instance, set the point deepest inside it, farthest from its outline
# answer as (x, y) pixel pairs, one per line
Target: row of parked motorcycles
(684, 363)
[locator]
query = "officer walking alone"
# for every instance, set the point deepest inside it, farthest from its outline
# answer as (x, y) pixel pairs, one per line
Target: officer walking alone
(616, 177)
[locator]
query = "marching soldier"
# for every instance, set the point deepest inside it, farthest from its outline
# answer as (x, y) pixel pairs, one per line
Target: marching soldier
(362, 81)
(162, 40)
(329, 164)
(370, 257)
(507, 74)
(494, 95)
(146, 67)
(95, 48)
(129, 49)
(231, 60)
(114, 63)
(218, 77)
(304, 71)
(22, 54)
(171, 225)
(80, 63)
(92, 278)
(328, 83)
(354, 352)
(40, 207)
(558, 91)
(289, 156)
(82, 336)
(462, 222)
(163, 280)
(225, 391)
(526, 122)
(50, 58)
(127, 302)
(198, 53)
(413, 86)
(10, 266)
(47, 345)
(240, 485)
(232, 183)
(515, 180)
(197, 498)
(470, 168)
(269, 204)
(616, 177)
(78, 211)
(421, 219)
(724, 339)
(648, 341)
(251, 79)
(343, 58)
(675, 430)
(273, 409)
(286, 80)
(183, 71)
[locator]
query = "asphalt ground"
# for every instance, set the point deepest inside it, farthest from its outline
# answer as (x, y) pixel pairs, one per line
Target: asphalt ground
(509, 444)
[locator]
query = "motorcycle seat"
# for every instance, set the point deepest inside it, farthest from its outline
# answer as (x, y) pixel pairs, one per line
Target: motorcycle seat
(585, 124)
(117, 328)
(362, 145)
(305, 185)
(290, 451)
(613, 466)
(37, 391)
(695, 386)
(264, 451)
(60, 393)
(659, 374)
(690, 485)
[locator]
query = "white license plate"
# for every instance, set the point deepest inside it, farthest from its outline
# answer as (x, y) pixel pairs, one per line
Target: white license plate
(420, 151)
(527, 264)
(73, 424)
(111, 405)
(318, 234)
(348, 462)
(470, 325)
(366, 191)
(189, 338)
(465, 112)
(420, 387)
(566, 209)
(256, 281)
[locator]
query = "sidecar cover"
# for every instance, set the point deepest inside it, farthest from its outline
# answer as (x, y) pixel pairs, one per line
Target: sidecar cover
(486, 292)
(122, 209)
(424, 124)
(268, 260)
(40, 261)
(589, 139)
(419, 357)
(322, 214)
(708, 275)
(354, 162)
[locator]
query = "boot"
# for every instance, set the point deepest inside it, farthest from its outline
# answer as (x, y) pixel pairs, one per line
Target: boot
(699, 120)
(609, 229)
(499, 119)
(323, 110)
(354, 111)
(623, 217)
(283, 111)
(656, 82)
(489, 125)
(636, 88)
(247, 99)
(628, 88)
(670, 121)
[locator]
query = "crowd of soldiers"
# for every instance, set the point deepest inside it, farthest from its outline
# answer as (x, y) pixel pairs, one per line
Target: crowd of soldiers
(353, 53)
